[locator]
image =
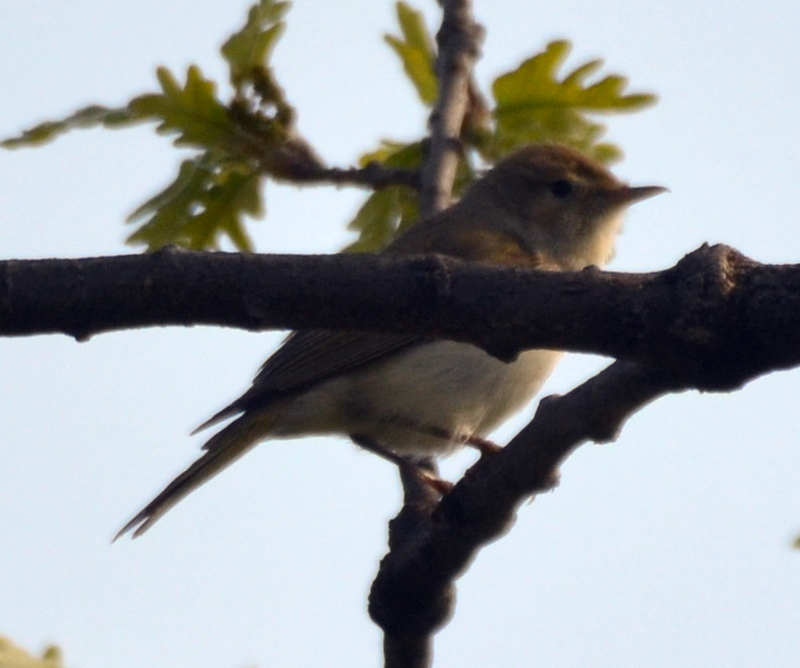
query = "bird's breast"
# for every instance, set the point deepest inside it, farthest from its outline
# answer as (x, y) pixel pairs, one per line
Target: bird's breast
(449, 386)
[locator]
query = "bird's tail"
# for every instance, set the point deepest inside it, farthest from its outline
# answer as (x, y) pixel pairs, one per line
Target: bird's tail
(224, 448)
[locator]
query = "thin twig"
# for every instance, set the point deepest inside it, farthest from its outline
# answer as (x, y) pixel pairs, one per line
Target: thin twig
(374, 175)
(459, 41)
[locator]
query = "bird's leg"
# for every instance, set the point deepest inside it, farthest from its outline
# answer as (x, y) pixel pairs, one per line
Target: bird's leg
(403, 463)
(485, 447)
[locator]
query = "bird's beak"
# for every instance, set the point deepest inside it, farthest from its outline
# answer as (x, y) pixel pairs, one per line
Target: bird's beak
(631, 194)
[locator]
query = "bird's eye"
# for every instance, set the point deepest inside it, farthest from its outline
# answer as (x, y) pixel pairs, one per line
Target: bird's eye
(561, 188)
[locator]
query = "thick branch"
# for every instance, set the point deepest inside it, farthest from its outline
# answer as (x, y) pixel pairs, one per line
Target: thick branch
(409, 643)
(717, 318)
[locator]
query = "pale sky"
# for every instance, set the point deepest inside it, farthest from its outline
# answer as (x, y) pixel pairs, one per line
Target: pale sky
(670, 547)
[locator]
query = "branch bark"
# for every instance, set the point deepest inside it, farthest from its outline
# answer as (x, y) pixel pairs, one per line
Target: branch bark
(374, 175)
(459, 40)
(716, 319)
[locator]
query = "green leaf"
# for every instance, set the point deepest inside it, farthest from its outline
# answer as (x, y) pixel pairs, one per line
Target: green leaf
(13, 656)
(381, 217)
(395, 154)
(88, 117)
(192, 111)
(222, 211)
(391, 209)
(534, 84)
(534, 105)
(375, 222)
(171, 208)
(416, 52)
(205, 202)
(252, 46)
(185, 188)
(259, 100)
(412, 23)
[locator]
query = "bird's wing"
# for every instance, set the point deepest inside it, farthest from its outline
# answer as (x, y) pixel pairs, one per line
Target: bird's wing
(308, 357)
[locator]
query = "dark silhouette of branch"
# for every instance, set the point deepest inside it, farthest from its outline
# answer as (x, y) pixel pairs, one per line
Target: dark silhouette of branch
(408, 623)
(716, 319)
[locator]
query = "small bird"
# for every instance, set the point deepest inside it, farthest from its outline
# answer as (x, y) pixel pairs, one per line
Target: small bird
(543, 206)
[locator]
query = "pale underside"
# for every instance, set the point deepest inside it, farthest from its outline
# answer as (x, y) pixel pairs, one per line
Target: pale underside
(451, 387)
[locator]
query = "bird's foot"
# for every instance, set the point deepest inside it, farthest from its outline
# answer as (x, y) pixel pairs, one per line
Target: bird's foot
(405, 464)
(485, 447)
(482, 445)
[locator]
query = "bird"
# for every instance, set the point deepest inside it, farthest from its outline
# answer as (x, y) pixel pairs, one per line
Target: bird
(542, 206)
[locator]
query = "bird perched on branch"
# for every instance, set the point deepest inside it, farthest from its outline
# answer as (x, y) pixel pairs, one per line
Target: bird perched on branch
(543, 206)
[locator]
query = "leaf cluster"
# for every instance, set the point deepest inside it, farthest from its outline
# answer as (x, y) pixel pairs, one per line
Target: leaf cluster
(252, 136)
(238, 143)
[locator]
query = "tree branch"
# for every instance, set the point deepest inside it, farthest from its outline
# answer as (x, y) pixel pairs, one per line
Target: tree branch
(374, 175)
(716, 319)
(459, 41)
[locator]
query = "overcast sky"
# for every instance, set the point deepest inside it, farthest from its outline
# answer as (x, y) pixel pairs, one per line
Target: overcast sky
(670, 547)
